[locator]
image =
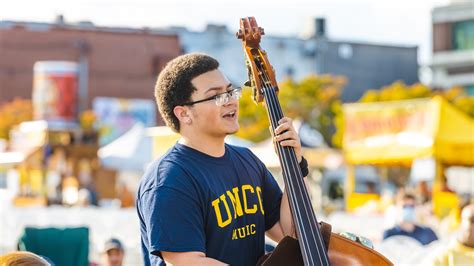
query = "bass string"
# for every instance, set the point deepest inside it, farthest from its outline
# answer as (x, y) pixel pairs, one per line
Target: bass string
(294, 171)
(289, 159)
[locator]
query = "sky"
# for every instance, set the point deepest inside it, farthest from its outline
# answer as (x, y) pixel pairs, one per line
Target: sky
(396, 22)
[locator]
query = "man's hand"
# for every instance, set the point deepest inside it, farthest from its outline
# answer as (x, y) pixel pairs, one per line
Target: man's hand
(287, 136)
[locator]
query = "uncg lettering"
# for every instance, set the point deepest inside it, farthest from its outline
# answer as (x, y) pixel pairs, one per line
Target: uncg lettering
(239, 204)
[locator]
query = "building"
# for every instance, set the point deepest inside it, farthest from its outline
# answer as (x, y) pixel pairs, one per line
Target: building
(453, 46)
(119, 62)
(124, 62)
(367, 66)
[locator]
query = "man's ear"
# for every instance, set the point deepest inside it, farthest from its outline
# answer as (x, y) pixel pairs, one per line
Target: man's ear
(182, 113)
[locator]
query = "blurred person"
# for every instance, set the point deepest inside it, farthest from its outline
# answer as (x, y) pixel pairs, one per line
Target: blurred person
(335, 190)
(22, 258)
(452, 221)
(84, 198)
(406, 225)
(461, 252)
(371, 187)
(113, 253)
(444, 186)
(424, 191)
(206, 202)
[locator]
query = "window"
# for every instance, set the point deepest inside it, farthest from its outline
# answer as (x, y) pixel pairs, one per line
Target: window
(469, 89)
(463, 36)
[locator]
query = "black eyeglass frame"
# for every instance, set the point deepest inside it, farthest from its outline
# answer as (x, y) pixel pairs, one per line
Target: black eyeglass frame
(234, 90)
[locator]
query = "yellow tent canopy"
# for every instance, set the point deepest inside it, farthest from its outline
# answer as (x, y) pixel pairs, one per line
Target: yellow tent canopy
(401, 131)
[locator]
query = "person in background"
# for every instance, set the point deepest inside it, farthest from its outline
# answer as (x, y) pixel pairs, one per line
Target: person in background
(113, 253)
(423, 189)
(22, 258)
(407, 223)
(461, 252)
(371, 187)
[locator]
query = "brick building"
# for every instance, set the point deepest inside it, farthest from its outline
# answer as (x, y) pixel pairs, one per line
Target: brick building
(121, 62)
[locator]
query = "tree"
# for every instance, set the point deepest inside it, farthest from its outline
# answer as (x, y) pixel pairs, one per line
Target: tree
(459, 98)
(314, 100)
(253, 118)
(13, 113)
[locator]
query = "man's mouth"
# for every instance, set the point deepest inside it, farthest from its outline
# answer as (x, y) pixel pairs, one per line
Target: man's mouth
(230, 114)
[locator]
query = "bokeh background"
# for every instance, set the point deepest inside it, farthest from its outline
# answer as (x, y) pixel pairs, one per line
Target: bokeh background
(382, 93)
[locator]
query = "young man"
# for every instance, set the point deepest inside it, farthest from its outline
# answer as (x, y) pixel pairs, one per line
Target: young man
(206, 202)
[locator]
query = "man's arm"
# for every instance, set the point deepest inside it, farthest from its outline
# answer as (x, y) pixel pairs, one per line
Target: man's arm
(189, 258)
(284, 227)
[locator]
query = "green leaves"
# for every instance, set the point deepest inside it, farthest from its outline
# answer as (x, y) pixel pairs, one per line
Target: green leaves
(314, 100)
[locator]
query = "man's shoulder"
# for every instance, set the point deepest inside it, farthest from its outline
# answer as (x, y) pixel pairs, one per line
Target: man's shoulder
(238, 149)
(161, 171)
(242, 152)
(392, 231)
(424, 229)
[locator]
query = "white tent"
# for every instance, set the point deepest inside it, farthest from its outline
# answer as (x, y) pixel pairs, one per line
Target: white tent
(130, 152)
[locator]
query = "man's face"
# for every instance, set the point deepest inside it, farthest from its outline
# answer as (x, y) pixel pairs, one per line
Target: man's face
(408, 214)
(207, 117)
(114, 257)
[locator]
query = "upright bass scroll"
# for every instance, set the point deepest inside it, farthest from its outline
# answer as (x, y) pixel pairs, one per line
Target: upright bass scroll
(311, 248)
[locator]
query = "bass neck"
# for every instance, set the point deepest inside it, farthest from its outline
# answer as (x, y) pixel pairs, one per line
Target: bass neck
(307, 227)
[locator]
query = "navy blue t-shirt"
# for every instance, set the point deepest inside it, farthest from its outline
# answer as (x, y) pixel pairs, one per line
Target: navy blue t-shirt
(190, 201)
(424, 235)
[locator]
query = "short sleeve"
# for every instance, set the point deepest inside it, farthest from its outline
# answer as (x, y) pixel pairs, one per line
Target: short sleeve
(173, 219)
(271, 199)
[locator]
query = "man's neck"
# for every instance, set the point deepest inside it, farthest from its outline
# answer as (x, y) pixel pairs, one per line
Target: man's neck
(214, 147)
(407, 227)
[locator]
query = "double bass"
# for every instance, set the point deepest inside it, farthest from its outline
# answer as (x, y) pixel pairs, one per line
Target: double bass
(313, 245)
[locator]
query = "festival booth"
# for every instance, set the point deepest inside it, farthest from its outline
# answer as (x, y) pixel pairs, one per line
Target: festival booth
(48, 161)
(398, 133)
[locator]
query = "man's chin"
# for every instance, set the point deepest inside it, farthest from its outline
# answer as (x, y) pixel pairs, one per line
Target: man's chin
(233, 131)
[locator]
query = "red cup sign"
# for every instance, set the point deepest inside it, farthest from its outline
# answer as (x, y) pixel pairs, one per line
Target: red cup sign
(55, 90)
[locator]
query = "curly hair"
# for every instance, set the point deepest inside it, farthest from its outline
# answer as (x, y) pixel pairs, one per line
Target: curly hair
(174, 86)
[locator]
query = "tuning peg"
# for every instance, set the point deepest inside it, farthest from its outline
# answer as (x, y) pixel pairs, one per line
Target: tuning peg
(239, 34)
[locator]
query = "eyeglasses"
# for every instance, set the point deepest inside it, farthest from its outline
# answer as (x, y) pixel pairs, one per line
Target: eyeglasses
(221, 98)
